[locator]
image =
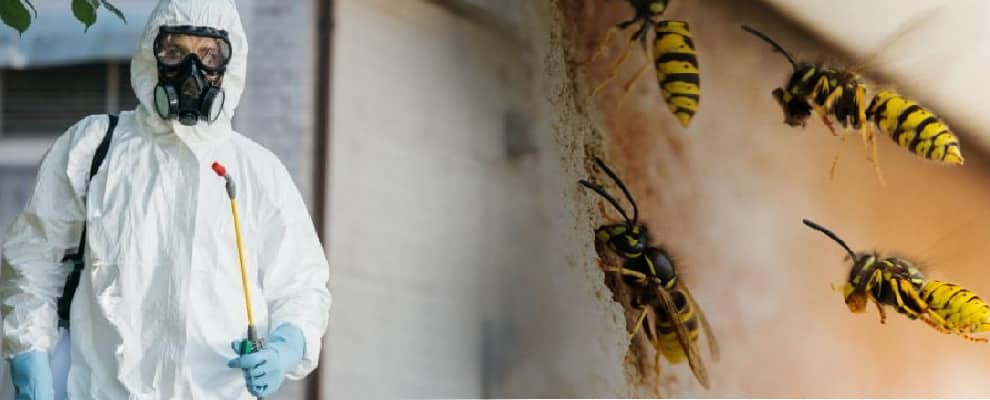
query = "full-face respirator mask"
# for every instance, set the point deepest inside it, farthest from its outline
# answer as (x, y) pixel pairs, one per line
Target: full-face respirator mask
(191, 64)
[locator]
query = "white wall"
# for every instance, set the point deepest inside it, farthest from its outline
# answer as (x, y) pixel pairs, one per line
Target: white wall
(416, 145)
(462, 264)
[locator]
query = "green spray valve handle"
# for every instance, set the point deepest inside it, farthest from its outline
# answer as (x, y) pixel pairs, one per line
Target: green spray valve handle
(252, 344)
(249, 346)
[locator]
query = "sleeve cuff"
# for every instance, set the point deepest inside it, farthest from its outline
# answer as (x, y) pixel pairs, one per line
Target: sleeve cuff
(313, 341)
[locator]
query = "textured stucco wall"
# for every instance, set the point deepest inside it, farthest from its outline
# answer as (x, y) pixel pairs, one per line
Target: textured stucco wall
(421, 97)
(457, 267)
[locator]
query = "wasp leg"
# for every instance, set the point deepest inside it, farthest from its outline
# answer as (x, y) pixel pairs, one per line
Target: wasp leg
(900, 302)
(868, 133)
(823, 109)
(828, 108)
(835, 159)
(874, 159)
(883, 314)
(927, 317)
(613, 71)
(627, 87)
(828, 124)
(601, 45)
(864, 125)
(935, 325)
(906, 287)
(625, 271)
(639, 276)
(877, 279)
(639, 323)
(868, 138)
(973, 338)
(932, 319)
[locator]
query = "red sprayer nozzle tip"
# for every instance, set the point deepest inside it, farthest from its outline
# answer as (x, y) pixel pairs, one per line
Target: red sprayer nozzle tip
(219, 169)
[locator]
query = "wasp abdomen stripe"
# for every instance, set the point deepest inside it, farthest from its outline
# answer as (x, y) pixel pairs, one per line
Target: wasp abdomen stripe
(679, 78)
(907, 113)
(682, 57)
(687, 96)
(928, 121)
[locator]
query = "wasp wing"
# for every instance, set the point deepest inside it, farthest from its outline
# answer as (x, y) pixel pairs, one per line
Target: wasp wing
(684, 337)
(712, 343)
(887, 47)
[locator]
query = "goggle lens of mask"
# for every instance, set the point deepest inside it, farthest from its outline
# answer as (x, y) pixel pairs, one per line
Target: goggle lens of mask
(211, 47)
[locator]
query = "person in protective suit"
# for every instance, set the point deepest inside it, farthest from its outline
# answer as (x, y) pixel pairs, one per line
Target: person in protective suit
(159, 299)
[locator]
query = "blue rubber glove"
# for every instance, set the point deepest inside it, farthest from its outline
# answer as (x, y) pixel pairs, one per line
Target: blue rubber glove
(32, 376)
(265, 369)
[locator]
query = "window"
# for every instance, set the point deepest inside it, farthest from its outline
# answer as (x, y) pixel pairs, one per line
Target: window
(44, 102)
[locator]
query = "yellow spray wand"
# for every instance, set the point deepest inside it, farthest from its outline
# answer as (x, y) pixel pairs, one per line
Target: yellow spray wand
(252, 343)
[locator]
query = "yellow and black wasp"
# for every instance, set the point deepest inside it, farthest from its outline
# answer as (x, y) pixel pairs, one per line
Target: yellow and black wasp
(650, 274)
(898, 283)
(841, 94)
(675, 57)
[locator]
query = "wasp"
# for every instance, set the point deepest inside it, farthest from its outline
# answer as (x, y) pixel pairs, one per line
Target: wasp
(840, 94)
(675, 57)
(650, 274)
(899, 283)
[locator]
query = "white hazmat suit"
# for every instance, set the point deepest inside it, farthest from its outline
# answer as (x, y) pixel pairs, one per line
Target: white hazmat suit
(160, 298)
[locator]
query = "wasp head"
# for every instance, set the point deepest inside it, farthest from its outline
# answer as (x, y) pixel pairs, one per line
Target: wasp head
(657, 7)
(855, 300)
(627, 240)
(860, 283)
(649, 8)
(796, 110)
(856, 288)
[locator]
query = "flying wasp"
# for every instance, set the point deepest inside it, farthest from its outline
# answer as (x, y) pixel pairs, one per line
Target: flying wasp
(841, 94)
(650, 274)
(675, 57)
(898, 283)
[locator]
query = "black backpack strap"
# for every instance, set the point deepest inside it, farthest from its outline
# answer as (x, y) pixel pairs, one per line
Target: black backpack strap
(72, 282)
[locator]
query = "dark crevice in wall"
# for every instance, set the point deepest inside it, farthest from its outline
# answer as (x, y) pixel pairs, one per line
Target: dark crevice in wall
(324, 12)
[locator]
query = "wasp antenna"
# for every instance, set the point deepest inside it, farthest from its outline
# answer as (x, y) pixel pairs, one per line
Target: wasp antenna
(601, 192)
(622, 186)
(830, 234)
(776, 46)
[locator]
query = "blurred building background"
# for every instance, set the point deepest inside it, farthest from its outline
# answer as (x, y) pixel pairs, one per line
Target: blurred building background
(460, 245)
